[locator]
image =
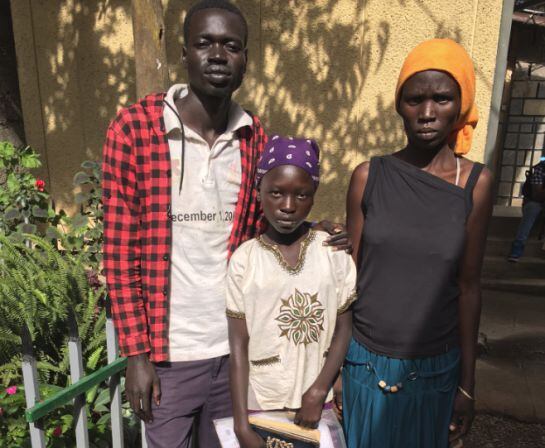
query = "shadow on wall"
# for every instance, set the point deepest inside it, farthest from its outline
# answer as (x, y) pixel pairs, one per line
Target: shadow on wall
(11, 119)
(313, 71)
(85, 72)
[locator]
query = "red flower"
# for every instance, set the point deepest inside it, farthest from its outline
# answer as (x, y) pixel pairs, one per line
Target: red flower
(12, 390)
(57, 432)
(40, 184)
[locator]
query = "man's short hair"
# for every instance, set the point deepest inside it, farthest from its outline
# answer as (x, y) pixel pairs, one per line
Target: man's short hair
(213, 4)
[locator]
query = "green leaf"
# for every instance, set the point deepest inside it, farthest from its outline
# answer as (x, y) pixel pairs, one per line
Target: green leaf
(41, 296)
(89, 164)
(53, 233)
(7, 150)
(91, 394)
(94, 359)
(80, 220)
(39, 212)
(16, 237)
(31, 160)
(11, 213)
(81, 178)
(67, 421)
(12, 182)
(27, 228)
(101, 408)
(103, 397)
(104, 420)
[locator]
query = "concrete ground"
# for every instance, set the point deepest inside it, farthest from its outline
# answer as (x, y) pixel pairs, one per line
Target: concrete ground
(499, 432)
(510, 387)
(511, 370)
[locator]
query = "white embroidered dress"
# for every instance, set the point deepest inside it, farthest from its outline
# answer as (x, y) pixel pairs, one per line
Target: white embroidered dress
(290, 314)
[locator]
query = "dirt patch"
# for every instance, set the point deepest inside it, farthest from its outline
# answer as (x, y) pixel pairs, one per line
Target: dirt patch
(499, 432)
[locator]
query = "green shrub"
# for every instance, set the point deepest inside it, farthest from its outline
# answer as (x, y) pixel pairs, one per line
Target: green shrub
(49, 275)
(83, 233)
(25, 206)
(42, 289)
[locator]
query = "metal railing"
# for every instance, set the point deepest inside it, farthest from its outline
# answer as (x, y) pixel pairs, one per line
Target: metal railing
(75, 393)
(523, 145)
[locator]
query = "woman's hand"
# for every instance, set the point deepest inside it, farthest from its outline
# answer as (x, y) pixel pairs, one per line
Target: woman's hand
(338, 397)
(312, 404)
(462, 417)
(248, 438)
(338, 238)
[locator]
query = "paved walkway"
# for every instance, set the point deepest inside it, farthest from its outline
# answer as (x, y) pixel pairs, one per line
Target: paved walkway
(500, 432)
(511, 369)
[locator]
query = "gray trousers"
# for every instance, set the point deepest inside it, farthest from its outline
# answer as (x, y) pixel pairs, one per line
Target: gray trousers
(191, 392)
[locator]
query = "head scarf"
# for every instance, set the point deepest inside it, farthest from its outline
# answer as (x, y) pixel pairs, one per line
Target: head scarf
(450, 57)
(300, 152)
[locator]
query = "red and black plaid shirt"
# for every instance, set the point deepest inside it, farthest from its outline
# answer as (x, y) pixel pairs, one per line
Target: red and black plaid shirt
(137, 231)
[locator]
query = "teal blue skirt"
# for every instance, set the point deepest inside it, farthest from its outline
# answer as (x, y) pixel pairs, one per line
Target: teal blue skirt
(416, 416)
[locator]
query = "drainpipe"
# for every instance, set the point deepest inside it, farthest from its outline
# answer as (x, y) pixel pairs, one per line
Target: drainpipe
(499, 80)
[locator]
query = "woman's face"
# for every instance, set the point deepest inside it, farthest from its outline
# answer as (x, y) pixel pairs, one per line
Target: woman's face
(429, 105)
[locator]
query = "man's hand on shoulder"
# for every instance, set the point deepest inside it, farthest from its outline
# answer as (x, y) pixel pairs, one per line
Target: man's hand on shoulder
(141, 385)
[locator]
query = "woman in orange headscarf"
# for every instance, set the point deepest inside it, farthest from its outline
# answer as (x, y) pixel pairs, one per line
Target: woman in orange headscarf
(418, 218)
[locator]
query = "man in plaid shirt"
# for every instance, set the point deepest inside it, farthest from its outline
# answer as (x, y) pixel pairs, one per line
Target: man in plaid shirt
(532, 207)
(178, 199)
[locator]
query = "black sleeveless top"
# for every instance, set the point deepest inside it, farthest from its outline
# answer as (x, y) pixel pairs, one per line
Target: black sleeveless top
(411, 246)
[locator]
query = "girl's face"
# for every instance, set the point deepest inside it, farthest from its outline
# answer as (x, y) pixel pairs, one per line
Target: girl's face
(429, 105)
(287, 195)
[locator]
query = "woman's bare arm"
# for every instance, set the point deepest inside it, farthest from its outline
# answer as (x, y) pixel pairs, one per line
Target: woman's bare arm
(354, 212)
(469, 302)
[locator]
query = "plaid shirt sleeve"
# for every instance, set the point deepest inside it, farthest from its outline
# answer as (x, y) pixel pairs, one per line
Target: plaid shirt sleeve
(122, 240)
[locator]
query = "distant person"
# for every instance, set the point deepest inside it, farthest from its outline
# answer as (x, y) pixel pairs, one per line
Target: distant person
(532, 206)
(418, 219)
(288, 299)
(178, 192)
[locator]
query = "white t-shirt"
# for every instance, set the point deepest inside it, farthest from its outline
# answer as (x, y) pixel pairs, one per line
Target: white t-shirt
(202, 219)
(290, 314)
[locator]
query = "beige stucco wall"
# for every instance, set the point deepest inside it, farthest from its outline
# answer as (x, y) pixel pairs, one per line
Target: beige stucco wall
(324, 68)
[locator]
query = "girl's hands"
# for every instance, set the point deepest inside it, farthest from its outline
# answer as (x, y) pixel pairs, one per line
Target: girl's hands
(248, 438)
(312, 404)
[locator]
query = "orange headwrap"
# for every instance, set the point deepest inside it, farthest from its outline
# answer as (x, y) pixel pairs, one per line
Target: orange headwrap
(447, 56)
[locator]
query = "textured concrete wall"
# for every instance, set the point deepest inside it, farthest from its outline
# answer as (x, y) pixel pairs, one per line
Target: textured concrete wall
(324, 68)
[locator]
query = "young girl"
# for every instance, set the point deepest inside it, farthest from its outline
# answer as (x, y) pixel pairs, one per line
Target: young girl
(288, 298)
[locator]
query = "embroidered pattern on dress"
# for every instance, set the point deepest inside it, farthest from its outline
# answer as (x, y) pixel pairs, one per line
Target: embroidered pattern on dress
(351, 298)
(301, 318)
(273, 248)
(235, 314)
(266, 362)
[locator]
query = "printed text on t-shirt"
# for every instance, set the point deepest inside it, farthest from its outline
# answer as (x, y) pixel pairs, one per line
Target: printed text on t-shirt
(219, 216)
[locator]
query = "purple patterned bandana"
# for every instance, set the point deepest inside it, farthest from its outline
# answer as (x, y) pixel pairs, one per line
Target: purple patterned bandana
(300, 152)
